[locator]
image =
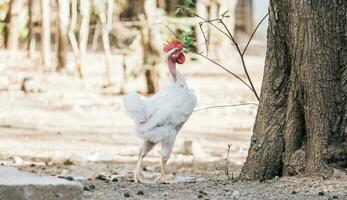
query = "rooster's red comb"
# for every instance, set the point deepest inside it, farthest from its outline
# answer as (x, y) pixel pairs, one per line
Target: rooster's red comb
(173, 44)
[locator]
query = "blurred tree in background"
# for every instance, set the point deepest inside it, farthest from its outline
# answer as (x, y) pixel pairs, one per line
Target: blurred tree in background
(58, 28)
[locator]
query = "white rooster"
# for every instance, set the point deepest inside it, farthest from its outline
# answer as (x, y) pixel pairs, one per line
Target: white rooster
(159, 118)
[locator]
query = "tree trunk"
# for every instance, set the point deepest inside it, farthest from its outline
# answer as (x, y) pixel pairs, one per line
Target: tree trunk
(301, 125)
(31, 34)
(63, 28)
(106, 28)
(150, 43)
(46, 34)
(72, 38)
(83, 37)
(12, 18)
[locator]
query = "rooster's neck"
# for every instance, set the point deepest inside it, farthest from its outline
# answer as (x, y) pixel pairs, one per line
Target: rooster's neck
(172, 69)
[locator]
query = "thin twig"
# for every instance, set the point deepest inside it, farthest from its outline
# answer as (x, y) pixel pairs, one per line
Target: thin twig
(255, 30)
(225, 106)
(210, 22)
(231, 37)
(242, 60)
(227, 163)
(221, 66)
(205, 39)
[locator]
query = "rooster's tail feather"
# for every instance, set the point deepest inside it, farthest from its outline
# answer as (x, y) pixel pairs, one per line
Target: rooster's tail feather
(135, 107)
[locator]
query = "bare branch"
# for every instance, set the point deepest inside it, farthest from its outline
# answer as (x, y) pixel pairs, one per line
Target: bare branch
(221, 66)
(205, 39)
(231, 37)
(242, 60)
(254, 31)
(226, 106)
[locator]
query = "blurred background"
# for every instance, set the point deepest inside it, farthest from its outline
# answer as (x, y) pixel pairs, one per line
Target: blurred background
(65, 64)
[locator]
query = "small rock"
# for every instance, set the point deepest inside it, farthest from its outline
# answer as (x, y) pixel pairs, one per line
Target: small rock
(140, 193)
(92, 187)
(293, 192)
(79, 178)
(321, 193)
(235, 195)
(101, 177)
(126, 195)
(68, 162)
(85, 188)
(335, 197)
(186, 179)
(69, 178)
(200, 196)
(115, 180)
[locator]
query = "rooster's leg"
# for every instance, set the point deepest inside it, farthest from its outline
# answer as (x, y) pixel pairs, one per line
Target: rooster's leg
(166, 149)
(145, 148)
(161, 178)
(138, 167)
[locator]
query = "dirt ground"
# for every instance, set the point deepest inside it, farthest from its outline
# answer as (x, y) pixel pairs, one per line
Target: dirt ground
(77, 129)
(112, 182)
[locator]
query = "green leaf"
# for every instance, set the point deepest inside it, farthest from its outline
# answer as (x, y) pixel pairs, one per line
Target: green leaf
(178, 10)
(187, 39)
(188, 3)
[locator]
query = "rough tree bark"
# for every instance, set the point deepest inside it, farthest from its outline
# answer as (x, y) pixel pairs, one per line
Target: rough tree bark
(301, 125)
(46, 34)
(63, 29)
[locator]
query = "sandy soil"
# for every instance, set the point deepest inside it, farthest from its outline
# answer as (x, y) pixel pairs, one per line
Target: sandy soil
(211, 183)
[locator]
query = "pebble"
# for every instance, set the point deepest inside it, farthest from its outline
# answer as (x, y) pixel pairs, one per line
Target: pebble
(101, 177)
(335, 197)
(126, 194)
(293, 192)
(115, 180)
(186, 179)
(92, 187)
(321, 193)
(140, 193)
(200, 196)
